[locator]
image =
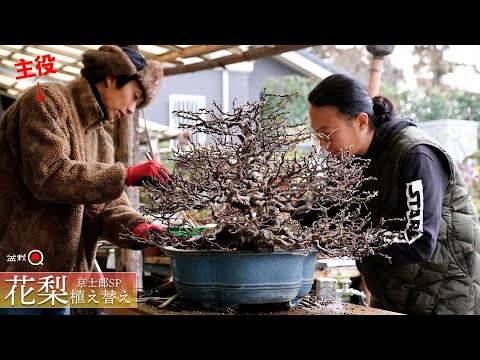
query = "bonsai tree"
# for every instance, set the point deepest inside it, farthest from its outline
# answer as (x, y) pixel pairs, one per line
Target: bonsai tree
(252, 183)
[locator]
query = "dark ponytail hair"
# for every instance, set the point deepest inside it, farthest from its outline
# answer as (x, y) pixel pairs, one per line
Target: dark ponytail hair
(383, 110)
(351, 97)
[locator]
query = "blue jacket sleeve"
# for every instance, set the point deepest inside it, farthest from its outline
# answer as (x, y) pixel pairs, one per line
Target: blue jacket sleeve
(423, 177)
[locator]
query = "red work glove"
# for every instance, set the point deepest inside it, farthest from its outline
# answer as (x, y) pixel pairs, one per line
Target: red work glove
(141, 230)
(152, 169)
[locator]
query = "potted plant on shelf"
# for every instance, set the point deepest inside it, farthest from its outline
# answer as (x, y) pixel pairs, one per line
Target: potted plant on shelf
(243, 194)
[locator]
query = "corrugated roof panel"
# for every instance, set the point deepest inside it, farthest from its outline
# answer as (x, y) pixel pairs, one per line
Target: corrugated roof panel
(152, 49)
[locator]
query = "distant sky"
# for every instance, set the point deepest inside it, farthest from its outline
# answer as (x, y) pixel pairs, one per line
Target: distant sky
(462, 78)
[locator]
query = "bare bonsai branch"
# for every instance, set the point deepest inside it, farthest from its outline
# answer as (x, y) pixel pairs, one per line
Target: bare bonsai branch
(251, 182)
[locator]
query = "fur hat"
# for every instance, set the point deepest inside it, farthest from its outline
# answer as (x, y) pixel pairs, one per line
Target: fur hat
(114, 60)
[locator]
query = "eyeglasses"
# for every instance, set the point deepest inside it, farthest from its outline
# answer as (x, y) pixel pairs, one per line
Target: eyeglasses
(319, 137)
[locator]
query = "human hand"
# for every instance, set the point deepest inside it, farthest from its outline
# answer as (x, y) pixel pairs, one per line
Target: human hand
(141, 230)
(147, 171)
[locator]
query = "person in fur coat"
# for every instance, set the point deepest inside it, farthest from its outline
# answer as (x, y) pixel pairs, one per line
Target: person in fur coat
(60, 189)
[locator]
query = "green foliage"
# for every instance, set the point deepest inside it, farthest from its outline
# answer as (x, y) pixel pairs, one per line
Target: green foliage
(297, 85)
(435, 103)
(420, 104)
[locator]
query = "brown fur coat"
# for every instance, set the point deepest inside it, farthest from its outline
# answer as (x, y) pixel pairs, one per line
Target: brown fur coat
(59, 187)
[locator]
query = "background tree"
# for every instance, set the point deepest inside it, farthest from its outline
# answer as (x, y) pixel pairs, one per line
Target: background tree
(432, 62)
(298, 87)
(355, 60)
(434, 103)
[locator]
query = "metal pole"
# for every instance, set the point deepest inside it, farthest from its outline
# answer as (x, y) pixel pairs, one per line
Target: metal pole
(375, 76)
(378, 53)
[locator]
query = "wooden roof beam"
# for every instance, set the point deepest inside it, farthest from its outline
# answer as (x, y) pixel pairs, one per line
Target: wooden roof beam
(196, 50)
(249, 55)
(75, 56)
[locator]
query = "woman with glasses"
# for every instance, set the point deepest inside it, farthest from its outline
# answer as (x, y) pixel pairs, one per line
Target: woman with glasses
(434, 267)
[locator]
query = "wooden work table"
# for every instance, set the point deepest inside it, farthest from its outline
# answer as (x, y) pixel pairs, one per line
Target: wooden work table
(328, 307)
